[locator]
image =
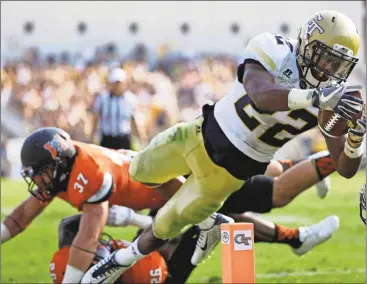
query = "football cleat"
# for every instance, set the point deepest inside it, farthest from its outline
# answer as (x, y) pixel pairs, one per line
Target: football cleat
(209, 238)
(323, 187)
(105, 271)
(313, 235)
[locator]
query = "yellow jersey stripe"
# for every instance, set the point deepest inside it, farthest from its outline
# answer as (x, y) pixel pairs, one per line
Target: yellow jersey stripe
(265, 57)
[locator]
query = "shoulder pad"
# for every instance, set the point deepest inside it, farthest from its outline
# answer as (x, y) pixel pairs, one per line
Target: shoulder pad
(269, 50)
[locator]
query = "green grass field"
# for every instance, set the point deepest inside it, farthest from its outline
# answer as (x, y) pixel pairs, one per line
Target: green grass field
(25, 259)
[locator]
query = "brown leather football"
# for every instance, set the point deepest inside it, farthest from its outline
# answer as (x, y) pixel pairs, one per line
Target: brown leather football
(332, 124)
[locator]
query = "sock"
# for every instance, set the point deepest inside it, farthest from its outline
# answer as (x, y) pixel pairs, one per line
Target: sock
(128, 256)
(288, 236)
(208, 222)
(324, 166)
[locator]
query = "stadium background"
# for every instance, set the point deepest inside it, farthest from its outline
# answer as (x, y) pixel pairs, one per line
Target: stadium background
(55, 57)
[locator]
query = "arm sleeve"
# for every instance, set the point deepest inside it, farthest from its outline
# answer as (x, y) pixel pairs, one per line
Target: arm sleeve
(105, 190)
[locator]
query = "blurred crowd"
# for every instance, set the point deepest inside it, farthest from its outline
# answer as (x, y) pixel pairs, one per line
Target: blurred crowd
(59, 89)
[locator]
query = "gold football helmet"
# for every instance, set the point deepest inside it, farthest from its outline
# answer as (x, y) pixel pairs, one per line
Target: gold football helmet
(327, 48)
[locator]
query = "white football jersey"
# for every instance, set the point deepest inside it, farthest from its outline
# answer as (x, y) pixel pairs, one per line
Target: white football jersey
(259, 134)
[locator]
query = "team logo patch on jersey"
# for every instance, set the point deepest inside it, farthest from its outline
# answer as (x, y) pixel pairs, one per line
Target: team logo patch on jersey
(56, 146)
(288, 73)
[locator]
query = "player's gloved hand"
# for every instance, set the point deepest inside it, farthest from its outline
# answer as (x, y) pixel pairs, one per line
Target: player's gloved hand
(120, 216)
(354, 148)
(336, 99)
(356, 134)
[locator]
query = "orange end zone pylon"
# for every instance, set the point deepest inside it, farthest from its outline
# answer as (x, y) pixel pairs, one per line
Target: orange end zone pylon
(238, 257)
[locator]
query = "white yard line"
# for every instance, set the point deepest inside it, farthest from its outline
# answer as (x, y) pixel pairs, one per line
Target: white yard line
(310, 273)
(302, 273)
(286, 219)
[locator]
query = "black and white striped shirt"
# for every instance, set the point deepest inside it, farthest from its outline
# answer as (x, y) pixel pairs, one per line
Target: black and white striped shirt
(115, 113)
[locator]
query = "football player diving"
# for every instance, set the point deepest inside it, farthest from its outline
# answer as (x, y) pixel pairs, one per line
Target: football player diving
(281, 86)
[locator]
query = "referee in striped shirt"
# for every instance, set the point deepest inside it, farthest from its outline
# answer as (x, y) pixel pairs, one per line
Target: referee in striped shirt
(115, 113)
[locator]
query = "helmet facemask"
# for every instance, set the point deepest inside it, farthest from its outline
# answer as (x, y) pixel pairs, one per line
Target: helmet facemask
(323, 65)
(105, 247)
(43, 182)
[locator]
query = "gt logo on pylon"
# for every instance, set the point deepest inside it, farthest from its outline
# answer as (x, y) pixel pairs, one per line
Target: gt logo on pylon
(243, 240)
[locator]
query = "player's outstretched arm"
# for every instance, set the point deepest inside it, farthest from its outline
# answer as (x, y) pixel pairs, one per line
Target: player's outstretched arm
(267, 95)
(21, 217)
(288, 185)
(263, 193)
(85, 244)
(121, 216)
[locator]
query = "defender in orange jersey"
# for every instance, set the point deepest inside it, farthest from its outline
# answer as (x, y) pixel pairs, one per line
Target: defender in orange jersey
(90, 178)
(102, 173)
(151, 269)
(90, 174)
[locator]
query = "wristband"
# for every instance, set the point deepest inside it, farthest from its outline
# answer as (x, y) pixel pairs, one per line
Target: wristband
(5, 234)
(351, 152)
(299, 99)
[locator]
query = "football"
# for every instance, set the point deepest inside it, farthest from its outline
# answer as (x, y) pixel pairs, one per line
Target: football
(332, 124)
